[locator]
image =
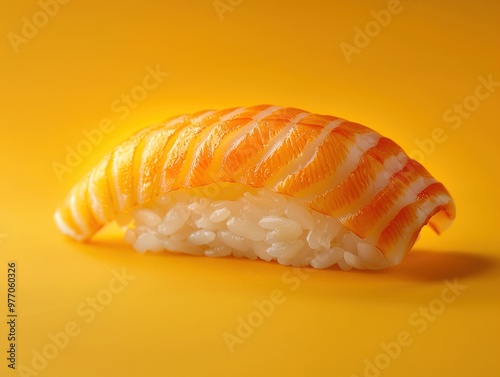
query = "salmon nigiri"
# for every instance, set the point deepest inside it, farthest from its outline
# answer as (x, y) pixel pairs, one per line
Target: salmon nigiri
(268, 182)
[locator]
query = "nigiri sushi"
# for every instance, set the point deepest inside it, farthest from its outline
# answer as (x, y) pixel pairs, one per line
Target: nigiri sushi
(267, 182)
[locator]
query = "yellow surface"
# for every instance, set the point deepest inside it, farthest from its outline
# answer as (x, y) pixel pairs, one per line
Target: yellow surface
(181, 316)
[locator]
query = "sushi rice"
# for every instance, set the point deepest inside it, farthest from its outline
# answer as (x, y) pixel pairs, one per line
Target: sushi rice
(258, 224)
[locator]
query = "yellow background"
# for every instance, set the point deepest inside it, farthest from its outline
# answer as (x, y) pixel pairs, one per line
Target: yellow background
(170, 319)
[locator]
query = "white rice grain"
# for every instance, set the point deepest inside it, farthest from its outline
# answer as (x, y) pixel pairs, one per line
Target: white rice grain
(201, 237)
(246, 229)
(147, 217)
(219, 215)
(279, 202)
(146, 242)
(353, 260)
(343, 265)
(285, 249)
(204, 223)
(328, 258)
(232, 240)
(300, 214)
(260, 249)
(174, 220)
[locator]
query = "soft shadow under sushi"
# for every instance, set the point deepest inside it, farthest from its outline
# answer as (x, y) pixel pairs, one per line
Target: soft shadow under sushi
(421, 265)
(428, 265)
